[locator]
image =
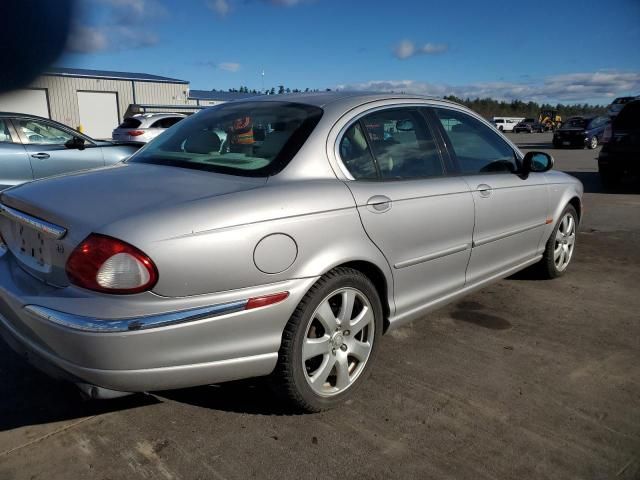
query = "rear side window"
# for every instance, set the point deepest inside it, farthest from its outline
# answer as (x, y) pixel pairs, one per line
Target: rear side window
(477, 147)
(5, 134)
(356, 155)
(130, 123)
(166, 122)
(402, 144)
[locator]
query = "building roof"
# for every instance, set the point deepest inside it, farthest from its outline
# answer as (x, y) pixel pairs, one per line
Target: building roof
(107, 74)
(214, 95)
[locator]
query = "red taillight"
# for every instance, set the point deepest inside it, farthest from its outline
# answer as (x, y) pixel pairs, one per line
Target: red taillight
(257, 302)
(135, 133)
(109, 265)
(607, 134)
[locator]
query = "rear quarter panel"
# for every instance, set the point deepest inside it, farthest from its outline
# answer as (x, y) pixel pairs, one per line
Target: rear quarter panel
(209, 246)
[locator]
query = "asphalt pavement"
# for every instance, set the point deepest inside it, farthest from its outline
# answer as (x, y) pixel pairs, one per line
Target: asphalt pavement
(525, 379)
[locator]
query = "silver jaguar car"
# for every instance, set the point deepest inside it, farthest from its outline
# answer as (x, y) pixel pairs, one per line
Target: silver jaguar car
(287, 248)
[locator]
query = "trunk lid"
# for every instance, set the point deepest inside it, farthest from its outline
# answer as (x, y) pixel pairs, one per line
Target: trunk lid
(83, 202)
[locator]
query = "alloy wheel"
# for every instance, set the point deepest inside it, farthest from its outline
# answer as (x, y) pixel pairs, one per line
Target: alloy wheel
(565, 242)
(338, 341)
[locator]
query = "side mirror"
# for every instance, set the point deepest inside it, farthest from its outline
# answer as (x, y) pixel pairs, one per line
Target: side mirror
(537, 162)
(75, 143)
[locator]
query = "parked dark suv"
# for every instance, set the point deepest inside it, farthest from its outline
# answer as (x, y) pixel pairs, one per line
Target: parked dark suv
(528, 125)
(620, 154)
(581, 132)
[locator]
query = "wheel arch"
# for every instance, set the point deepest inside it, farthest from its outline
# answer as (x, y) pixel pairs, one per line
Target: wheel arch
(379, 280)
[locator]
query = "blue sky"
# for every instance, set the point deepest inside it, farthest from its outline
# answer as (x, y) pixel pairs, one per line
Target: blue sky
(563, 51)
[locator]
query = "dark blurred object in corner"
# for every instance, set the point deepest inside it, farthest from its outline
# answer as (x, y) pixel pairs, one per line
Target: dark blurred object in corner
(33, 34)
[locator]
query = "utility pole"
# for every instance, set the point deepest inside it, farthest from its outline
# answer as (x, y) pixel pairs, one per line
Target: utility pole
(262, 90)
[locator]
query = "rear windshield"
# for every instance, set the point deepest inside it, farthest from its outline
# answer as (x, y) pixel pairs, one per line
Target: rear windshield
(622, 100)
(529, 120)
(575, 123)
(255, 139)
(628, 118)
(130, 123)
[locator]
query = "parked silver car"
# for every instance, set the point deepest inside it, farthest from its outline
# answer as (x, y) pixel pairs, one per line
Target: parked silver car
(33, 147)
(145, 127)
(328, 220)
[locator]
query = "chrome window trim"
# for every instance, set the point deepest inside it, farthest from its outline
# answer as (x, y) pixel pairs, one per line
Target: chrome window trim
(95, 325)
(43, 226)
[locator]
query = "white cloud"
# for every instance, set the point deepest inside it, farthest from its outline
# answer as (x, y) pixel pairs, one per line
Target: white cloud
(114, 38)
(220, 7)
(87, 40)
(574, 87)
(229, 66)
(123, 26)
(407, 48)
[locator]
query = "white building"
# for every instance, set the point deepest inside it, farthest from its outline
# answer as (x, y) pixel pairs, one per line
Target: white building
(94, 99)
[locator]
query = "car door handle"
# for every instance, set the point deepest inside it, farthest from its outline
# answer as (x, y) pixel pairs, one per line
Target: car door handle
(484, 190)
(41, 156)
(379, 204)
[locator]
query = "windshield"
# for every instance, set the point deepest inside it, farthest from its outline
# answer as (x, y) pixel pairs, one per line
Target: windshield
(255, 139)
(575, 123)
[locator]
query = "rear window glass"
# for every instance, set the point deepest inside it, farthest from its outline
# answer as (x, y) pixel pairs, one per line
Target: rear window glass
(130, 123)
(238, 138)
(575, 123)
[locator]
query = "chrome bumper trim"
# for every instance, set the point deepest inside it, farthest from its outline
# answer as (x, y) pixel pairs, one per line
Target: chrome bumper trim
(88, 324)
(43, 226)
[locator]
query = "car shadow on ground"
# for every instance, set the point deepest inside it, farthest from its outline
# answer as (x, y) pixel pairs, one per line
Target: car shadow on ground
(593, 184)
(253, 396)
(29, 397)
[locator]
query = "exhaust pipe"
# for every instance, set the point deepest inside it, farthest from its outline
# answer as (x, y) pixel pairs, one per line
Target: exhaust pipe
(93, 392)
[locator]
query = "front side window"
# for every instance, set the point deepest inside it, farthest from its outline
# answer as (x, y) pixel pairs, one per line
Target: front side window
(237, 138)
(36, 132)
(477, 148)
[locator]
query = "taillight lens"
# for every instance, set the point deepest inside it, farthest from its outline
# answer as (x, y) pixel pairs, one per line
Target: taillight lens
(106, 264)
(135, 133)
(607, 134)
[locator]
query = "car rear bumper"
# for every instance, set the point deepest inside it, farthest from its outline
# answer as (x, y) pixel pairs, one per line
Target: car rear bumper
(180, 347)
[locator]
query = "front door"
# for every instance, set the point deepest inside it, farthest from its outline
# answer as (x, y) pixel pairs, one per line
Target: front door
(45, 144)
(421, 220)
(511, 208)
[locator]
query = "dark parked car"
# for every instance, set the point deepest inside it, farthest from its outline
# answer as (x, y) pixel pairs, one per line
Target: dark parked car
(33, 147)
(581, 132)
(620, 154)
(528, 125)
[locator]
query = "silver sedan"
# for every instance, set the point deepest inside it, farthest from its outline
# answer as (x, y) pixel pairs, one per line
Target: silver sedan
(286, 248)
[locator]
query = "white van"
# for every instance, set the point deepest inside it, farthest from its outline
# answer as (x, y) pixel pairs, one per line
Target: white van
(506, 124)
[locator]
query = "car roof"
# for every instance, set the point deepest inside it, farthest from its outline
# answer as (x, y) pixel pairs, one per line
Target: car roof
(25, 115)
(322, 99)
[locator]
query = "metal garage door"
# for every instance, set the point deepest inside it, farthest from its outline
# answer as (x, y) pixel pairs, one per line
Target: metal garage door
(32, 101)
(98, 113)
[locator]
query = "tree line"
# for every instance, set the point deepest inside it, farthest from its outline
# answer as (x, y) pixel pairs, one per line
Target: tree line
(487, 107)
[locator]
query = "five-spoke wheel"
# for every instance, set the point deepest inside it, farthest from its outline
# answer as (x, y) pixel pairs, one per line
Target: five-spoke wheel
(565, 241)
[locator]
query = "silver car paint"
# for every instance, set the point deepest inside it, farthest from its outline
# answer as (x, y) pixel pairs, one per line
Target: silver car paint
(146, 120)
(201, 229)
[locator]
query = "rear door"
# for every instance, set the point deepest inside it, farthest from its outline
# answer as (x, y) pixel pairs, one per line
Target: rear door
(419, 218)
(510, 208)
(45, 145)
(14, 161)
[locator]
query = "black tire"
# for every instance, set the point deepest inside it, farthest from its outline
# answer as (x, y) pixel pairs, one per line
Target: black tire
(289, 376)
(547, 268)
